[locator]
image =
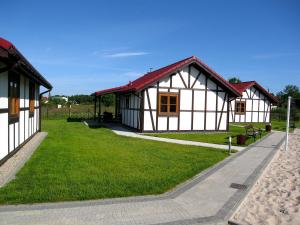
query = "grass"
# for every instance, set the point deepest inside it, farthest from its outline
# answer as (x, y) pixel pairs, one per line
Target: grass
(276, 125)
(75, 162)
(213, 137)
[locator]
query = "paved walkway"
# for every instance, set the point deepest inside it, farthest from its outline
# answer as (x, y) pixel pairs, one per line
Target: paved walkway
(206, 199)
(9, 169)
(123, 131)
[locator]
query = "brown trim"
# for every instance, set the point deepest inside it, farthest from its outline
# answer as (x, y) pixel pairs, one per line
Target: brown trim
(180, 75)
(142, 112)
(266, 113)
(157, 105)
(254, 92)
(198, 76)
(171, 80)
(252, 110)
(247, 93)
(4, 110)
(24, 108)
(216, 118)
(258, 106)
(220, 119)
(205, 103)
(240, 112)
(168, 113)
(149, 105)
(192, 116)
(189, 76)
(13, 119)
(31, 114)
(227, 125)
(178, 120)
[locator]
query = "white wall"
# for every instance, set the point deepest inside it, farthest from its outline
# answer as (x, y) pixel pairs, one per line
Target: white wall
(130, 116)
(14, 135)
(257, 107)
(192, 115)
(3, 116)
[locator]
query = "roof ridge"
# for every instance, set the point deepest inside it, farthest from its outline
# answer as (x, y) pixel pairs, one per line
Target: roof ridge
(150, 77)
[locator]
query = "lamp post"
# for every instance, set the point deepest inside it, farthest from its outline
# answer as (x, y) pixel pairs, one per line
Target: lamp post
(229, 144)
(287, 123)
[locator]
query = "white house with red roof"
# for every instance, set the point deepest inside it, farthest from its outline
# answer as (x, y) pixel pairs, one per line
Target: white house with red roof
(254, 104)
(20, 98)
(184, 96)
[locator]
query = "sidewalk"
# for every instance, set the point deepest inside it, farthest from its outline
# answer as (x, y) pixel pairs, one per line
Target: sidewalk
(123, 131)
(9, 169)
(209, 198)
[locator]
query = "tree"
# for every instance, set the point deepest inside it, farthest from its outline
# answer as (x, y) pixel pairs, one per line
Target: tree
(108, 100)
(234, 80)
(289, 90)
(82, 99)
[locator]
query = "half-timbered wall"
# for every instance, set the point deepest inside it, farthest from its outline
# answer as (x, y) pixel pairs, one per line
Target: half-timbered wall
(257, 107)
(130, 111)
(13, 135)
(203, 104)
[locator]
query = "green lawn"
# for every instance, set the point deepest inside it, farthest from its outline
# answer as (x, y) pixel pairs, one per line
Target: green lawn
(210, 137)
(276, 125)
(75, 163)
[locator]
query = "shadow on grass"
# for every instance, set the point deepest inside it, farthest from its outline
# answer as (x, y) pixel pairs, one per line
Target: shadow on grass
(80, 119)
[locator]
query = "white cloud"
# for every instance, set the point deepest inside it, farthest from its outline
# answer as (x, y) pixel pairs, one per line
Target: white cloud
(125, 54)
(274, 55)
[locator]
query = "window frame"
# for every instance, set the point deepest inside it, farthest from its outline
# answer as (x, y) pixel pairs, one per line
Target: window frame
(32, 90)
(168, 95)
(238, 110)
(15, 79)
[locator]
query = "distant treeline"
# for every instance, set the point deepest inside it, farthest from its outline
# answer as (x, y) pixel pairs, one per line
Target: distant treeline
(107, 100)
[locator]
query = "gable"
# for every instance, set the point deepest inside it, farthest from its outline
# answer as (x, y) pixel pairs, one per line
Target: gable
(183, 69)
(190, 77)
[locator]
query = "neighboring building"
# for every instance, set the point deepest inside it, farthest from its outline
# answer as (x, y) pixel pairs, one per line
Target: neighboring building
(254, 105)
(19, 100)
(184, 96)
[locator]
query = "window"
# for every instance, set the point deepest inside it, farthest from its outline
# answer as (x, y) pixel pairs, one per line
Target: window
(168, 104)
(240, 107)
(127, 101)
(31, 98)
(13, 97)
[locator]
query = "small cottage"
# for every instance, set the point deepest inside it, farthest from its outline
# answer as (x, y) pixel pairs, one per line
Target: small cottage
(184, 96)
(254, 104)
(20, 97)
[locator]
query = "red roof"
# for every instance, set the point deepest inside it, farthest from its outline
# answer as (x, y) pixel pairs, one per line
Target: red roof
(5, 44)
(11, 56)
(152, 77)
(242, 86)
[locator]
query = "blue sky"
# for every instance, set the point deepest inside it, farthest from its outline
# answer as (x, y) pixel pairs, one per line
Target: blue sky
(84, 46)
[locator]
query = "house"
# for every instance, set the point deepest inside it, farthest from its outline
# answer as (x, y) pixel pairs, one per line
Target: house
(184, 96)
(20, 112)
(254, 105)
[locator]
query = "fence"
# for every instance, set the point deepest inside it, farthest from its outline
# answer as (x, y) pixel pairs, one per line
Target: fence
(76, 112)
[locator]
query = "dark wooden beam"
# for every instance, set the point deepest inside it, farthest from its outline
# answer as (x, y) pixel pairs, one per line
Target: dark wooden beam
(149, 105)
(199, 74)
(182, 79)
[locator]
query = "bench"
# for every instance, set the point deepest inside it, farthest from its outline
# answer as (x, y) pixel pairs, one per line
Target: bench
(252, 132)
